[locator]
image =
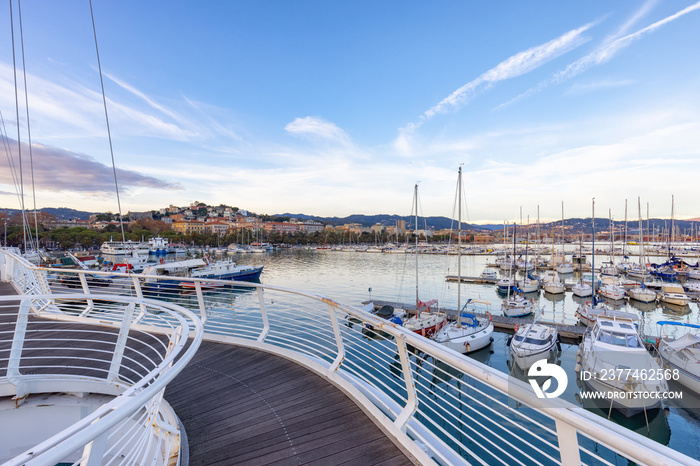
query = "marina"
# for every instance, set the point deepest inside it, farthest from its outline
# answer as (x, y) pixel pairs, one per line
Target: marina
(292, 267)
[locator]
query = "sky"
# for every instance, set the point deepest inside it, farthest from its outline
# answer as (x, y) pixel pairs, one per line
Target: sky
(340, 108)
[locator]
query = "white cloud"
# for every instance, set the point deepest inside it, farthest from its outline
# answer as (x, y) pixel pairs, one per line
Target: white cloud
(317, 128)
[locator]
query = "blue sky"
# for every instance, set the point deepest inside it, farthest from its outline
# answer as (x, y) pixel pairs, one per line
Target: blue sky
(335, 108)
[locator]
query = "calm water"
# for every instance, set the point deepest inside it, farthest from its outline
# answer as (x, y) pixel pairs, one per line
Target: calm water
(348, 277)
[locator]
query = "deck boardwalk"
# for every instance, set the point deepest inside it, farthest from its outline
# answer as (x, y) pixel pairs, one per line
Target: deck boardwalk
(243, 406)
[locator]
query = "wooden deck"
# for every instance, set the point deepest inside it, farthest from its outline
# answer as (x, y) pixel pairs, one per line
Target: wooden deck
(242, 406)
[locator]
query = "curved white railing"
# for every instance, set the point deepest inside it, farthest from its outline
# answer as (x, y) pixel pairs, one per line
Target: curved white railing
(113, 365)
(436, 404)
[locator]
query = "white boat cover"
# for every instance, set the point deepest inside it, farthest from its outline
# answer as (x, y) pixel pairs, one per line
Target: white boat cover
(685, 341)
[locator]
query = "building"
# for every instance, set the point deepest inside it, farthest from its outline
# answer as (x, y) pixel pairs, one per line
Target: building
(189, 227)
(312, 226)
(217, 228)
(283, 227)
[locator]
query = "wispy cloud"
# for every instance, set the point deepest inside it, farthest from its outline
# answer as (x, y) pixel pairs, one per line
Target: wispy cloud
(584, 88)
(516, 65)
(317, 128)
(606, 51)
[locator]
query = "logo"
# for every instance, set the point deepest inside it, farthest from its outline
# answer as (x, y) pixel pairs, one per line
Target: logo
(543, 369)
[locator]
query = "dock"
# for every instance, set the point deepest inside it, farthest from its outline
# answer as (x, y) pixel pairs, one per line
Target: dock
(487, 281)
(567, 333)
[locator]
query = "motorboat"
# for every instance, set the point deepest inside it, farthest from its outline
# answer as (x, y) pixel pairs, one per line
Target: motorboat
(692, 287)
(117, 248)
(613, 361)
(673, 294)
(489, 274)
(468, 333)
(564, 268)
(506, 284)
(533, 342)
(517, 306)
(582, 290)
(588, 313)
(611, 289)
(681, 353)
(197, 268)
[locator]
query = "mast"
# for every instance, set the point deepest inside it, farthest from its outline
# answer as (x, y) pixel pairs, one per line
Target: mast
(459, 242)
(415, 200)
(624, 242)
(641, 237)
(593, 254)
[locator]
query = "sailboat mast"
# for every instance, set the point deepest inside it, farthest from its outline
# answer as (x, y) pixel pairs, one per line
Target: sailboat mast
(415, 201)
(459, 242)
(641, 237)
(593, 254)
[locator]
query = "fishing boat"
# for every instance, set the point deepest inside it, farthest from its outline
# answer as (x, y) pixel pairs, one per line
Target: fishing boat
(681, 353)
(613, 361)
(468, 332)
(533, 342)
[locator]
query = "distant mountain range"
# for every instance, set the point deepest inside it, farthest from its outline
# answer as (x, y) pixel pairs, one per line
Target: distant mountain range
(572, 225)
(433, 223)
(61, 213)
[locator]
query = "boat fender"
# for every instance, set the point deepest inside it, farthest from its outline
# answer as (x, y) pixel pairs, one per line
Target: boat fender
(467, 346)
(657, 342)
(558, 344)
(532, 300)
(588, 303)
(510, 338)
(517, 326)
(490, 317)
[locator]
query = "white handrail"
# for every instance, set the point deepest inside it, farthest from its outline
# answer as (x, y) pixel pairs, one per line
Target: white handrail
(302, 329)
(132, 398)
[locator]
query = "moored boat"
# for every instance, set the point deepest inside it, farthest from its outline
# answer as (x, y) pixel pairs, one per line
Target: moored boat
(681, 353)
(468, 333)
(532, 342)
(613, 362)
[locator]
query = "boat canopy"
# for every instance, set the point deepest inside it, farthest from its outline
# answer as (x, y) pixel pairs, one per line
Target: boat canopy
(685, 341)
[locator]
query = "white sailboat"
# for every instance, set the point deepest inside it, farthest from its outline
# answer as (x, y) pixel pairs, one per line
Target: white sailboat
(469, 332)
(426, 321)
(515, 304)
(640, 292)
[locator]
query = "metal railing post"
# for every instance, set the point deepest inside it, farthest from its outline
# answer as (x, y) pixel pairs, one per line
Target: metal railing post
(200, 301)
(568, 443)
(94, 451)
(338, 340)
(13, 374)
(412, 399)
(119, 346)
(263, 313)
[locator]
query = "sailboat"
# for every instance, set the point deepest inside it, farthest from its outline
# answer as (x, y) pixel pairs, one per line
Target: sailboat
(515, 305)
(581, 288)
(640, 292)
(563, 267)
(588, 313)
(426, 321)
(528, 284)
(469, 332)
